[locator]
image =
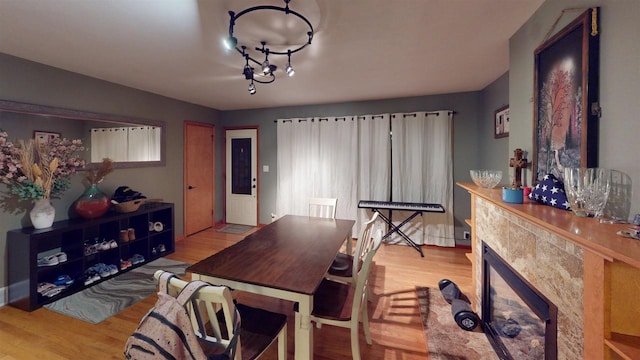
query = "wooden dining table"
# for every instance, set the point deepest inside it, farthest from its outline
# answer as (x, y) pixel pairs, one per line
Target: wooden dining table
(286, 259)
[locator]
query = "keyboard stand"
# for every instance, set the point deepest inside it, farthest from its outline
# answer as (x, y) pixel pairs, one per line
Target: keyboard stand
(396, 229)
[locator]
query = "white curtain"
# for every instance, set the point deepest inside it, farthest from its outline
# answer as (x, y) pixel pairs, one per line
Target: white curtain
(320, 157)
(109, 143)
(374, 160)
(143, 143)
(423, 172)
(139, 143)
(350, 158)
(314, 156)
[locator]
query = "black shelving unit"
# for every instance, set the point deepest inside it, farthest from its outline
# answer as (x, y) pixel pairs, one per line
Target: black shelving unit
(152, 224)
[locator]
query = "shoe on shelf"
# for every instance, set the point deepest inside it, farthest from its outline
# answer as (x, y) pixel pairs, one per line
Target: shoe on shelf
(125, 264)
(104, 245)
(63, 280)
(124, 235)
(91, 276)
(131, 233)
(44, 287)
(137, 259)
(54, 291)
(50, 260)
(154, 252)
(102, 269)
(113, 244)
(62, 256)
(90, 249)
(113, 269)
(162, 248)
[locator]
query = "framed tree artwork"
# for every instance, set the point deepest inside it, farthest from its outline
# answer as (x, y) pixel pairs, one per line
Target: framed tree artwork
(566, 108)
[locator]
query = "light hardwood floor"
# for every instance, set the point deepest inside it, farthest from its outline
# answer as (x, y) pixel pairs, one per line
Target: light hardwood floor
(395, 318)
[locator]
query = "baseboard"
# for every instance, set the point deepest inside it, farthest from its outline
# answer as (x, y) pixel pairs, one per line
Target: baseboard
(3, 296)
(463, 243)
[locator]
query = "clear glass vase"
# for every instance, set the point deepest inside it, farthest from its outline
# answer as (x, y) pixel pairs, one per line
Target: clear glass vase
(587, 190)
(92, 203)
(42, 214)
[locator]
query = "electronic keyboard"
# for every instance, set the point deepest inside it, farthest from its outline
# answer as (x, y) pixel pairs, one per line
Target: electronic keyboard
(403, 206)
(417, 208)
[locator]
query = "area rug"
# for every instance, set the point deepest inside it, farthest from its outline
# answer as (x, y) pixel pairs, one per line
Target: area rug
(235, 229)
(445, 339)
(101, 301)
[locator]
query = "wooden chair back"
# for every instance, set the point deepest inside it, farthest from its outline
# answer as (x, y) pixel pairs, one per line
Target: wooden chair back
(323, 207)
(216, 309)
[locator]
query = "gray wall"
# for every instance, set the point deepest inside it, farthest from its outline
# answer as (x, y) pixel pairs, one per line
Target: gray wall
(468, 107)
(29, 82)
(619, 81)
(492, 151)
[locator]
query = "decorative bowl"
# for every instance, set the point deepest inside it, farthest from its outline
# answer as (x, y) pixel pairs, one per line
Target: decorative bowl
(128, 206)
(486, 178)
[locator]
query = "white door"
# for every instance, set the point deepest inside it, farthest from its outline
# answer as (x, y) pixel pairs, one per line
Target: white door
(242, 177)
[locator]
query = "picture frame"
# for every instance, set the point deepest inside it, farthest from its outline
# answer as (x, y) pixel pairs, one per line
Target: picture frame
(43, 137)
(566, 108)
(501, 122)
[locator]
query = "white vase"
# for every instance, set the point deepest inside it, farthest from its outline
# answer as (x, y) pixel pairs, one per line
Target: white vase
(42, 214)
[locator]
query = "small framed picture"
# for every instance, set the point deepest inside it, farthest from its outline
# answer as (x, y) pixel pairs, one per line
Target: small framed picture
(502, 122)
(43, 137)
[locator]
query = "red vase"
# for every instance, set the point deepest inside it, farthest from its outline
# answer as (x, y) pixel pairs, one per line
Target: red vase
(93, 203)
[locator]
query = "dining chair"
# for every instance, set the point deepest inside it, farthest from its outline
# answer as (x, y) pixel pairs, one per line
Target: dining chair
(343, 265)
(326, 208)
(345, 305)
(215, 306)
(323, 207)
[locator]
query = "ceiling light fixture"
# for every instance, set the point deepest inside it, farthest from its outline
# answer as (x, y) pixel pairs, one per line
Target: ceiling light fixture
(290, 71)
(266, 75)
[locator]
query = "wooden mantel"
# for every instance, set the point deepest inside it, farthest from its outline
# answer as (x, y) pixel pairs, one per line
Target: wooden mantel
(611, 272)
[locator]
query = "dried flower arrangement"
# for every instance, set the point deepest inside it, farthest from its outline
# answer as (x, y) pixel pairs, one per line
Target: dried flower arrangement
(96, 175)
(33, 171)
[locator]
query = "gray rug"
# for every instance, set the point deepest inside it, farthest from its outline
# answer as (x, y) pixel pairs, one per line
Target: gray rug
(235, 229)
(101, 301)
(445, 339)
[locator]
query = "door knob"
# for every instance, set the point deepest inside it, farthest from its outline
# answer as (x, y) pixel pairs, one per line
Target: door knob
(191, 187)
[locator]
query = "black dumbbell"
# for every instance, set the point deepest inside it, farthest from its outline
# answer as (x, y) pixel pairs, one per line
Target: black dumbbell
(449, 290)
(463, 315)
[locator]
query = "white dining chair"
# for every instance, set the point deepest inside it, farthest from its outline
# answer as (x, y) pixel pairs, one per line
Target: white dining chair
(326, 208)
(216, 307)
(343, 265)
(345, 305)
(323, 207)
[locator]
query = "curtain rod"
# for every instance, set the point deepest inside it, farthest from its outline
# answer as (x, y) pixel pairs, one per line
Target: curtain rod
(343, 118)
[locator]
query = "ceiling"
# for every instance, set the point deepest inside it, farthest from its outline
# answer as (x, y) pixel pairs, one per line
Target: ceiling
(361, 50)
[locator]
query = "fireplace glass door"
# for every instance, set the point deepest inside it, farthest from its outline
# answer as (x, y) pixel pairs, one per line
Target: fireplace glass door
(519, 321)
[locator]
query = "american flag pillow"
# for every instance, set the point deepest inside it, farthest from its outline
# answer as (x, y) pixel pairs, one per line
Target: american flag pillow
(550, 191)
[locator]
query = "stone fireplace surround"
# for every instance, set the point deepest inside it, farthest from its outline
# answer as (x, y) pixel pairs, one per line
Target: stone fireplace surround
(589, 273)
(549, 263)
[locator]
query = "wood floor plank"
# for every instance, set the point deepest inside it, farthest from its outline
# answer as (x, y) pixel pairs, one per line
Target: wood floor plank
(395, 319)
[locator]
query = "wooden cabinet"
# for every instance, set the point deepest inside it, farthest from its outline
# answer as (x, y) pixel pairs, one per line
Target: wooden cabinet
(149, 235)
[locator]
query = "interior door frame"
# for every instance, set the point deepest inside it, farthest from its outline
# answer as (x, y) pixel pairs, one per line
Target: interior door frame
(224, 169)
(184, 172)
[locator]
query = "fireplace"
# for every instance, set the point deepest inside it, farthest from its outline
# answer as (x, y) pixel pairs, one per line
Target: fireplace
(519, 321)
